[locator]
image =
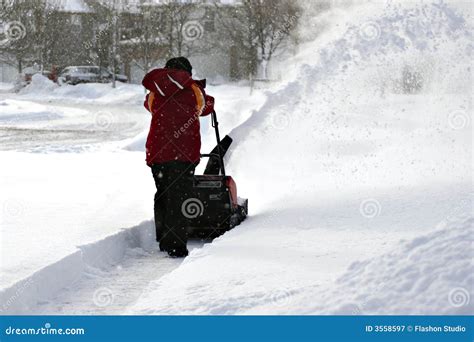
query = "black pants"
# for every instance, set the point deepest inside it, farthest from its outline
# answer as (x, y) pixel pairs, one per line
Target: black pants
(174, 184)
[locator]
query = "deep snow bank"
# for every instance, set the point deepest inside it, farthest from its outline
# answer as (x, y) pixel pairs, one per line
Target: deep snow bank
(6, 87)
(296, 259)
(15, 112)
(431, 274)
(42, 89)
(24, 295)
(52, 203)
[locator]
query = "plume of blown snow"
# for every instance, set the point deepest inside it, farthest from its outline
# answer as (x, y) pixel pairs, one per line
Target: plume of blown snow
(379, 100)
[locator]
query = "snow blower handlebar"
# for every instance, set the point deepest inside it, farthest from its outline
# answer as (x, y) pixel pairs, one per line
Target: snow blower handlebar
(218, 152)
(215, 124)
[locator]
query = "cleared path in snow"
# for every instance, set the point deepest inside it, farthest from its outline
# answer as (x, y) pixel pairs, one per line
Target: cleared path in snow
(110, 291)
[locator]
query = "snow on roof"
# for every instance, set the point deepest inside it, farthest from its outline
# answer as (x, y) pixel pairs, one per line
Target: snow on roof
(80, 6)
(74, 6)
(140, 40)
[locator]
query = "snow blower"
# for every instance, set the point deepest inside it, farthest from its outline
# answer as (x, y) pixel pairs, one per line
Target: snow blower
(216, 208)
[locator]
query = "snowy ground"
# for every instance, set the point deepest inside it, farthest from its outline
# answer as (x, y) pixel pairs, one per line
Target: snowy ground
(73, 174)
(111, 291)
(360, 194)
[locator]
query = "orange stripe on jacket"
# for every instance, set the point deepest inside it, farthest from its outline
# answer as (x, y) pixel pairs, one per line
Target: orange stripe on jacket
(200, 102)
(151, 98)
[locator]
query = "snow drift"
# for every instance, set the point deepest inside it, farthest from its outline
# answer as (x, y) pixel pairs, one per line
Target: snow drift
(41, 88)
(23, 296)
(431, 274)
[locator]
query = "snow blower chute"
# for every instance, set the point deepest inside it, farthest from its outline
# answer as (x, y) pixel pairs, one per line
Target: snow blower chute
(216, 206)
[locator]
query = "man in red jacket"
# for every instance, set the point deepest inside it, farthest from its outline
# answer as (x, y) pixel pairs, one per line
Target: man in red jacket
(176, 102)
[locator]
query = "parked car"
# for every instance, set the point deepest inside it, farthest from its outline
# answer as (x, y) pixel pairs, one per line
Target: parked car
(88, 74)
(79, 74)
(106, 76)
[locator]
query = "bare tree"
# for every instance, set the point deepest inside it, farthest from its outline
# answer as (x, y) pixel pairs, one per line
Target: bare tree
(273, 22)
(37, 31)
(141, 40)
(180, 31)
(162, 30)
(258, 28)
(21, 28)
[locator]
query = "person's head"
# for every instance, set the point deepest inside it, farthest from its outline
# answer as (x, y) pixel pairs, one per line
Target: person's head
(180, 63)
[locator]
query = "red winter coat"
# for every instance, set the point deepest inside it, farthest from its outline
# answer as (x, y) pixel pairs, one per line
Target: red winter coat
(176, 102)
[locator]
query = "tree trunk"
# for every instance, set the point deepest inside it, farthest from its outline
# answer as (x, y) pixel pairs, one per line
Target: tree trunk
(265, 69)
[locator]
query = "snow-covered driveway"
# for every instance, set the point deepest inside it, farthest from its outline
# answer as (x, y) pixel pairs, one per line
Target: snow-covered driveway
(52, 126)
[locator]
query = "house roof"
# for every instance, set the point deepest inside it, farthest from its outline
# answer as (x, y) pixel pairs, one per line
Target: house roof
(72, 6)
(81, 6)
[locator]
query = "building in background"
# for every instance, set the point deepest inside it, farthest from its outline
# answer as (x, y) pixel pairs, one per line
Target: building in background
(221, 38)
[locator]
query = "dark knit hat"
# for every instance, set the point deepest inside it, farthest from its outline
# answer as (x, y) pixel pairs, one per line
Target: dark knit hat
(181, 63)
